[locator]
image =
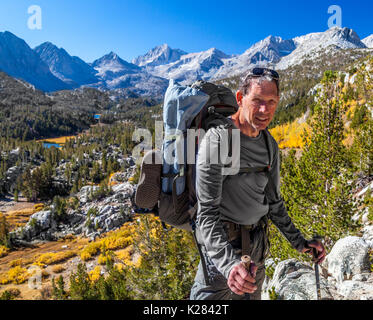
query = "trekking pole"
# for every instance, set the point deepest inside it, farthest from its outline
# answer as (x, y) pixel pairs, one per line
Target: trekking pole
(317, 273)
(247, 263)
(317, 281)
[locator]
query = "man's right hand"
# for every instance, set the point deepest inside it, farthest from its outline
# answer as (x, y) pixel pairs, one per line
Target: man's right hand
(241, 281)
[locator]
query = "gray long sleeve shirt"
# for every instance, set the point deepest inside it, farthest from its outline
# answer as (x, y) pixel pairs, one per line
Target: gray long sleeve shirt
(242, 198)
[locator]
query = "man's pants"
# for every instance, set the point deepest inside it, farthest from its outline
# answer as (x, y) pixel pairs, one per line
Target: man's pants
(218, 288)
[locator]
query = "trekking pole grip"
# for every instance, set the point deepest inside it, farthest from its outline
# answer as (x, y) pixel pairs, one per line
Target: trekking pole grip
(246, 261)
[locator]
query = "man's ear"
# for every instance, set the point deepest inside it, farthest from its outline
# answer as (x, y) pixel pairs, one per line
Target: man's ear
(239, 97)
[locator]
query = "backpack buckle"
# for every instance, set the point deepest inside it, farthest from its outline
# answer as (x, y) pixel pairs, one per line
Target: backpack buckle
(211, 110)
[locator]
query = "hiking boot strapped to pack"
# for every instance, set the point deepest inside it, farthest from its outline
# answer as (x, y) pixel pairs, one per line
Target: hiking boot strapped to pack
(168, 187)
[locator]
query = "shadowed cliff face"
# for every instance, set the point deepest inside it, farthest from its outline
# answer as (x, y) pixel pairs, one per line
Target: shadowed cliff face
(18, 60)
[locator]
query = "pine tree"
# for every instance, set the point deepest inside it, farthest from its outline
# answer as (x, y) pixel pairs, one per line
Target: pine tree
(4, 231)
(363, 148)
(80, 285)
(363, 143)
(58, 289)
(316, 187)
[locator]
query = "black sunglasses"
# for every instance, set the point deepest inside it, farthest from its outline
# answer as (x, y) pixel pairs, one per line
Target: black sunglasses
(258, 72)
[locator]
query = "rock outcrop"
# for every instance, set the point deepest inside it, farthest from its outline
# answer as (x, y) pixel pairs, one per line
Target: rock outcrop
(345, 274)
(349, 257)
(293, 280)
(89, 217)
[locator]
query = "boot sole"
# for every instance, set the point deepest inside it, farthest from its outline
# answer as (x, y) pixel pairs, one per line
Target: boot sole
(149, 186)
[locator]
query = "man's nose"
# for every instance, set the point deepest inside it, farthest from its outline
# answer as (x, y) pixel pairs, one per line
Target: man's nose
(263, 108)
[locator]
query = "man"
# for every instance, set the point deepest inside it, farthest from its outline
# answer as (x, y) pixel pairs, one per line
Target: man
(233, 210)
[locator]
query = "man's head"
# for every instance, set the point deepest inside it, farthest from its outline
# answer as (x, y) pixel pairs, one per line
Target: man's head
(258, 97)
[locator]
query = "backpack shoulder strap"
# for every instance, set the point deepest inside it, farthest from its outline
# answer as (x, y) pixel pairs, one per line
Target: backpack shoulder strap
(269, 144)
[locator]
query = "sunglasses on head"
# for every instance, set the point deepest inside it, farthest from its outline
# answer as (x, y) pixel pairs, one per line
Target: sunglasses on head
(258, 72)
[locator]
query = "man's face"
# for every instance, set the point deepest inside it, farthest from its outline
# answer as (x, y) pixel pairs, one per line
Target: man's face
(259, 105)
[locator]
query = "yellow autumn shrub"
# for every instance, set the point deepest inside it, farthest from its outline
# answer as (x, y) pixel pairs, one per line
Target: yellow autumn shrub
(113, 240)
(105, 258)
(16, 275)
(95, 274)
(119, 266)
(54, 257)
(38, 207)
(125, 255)
(290, 135)
(17, 262)
(90, 250)
(3, 251)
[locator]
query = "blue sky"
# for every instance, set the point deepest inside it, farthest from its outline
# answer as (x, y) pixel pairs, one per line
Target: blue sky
(92, 28)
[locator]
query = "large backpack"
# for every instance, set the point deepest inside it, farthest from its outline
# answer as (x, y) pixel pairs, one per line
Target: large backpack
(172, 185)
(200, 106)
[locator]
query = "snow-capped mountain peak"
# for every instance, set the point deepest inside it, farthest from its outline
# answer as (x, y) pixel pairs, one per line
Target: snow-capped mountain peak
(113, 72)
(345, 38)
(191, 66)
(267, 51)
(111, 57)
(71, 70)
(111, 65)
(162, 54)
(368, 41)
(51, 68)
(313, 44)
(270, 49)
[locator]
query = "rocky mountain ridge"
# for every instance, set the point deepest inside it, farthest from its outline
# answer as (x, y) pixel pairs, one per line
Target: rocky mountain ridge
(18, 60)
(159, 55)
(148, 74)
(315, 43)
(71, 70)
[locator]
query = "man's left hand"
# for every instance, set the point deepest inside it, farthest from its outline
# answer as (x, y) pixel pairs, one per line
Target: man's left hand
(319, 252)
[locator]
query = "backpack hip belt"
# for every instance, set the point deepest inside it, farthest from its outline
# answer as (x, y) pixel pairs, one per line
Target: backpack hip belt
(237, 231)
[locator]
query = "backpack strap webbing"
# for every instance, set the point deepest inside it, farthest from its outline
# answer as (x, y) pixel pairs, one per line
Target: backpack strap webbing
(267, 139)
